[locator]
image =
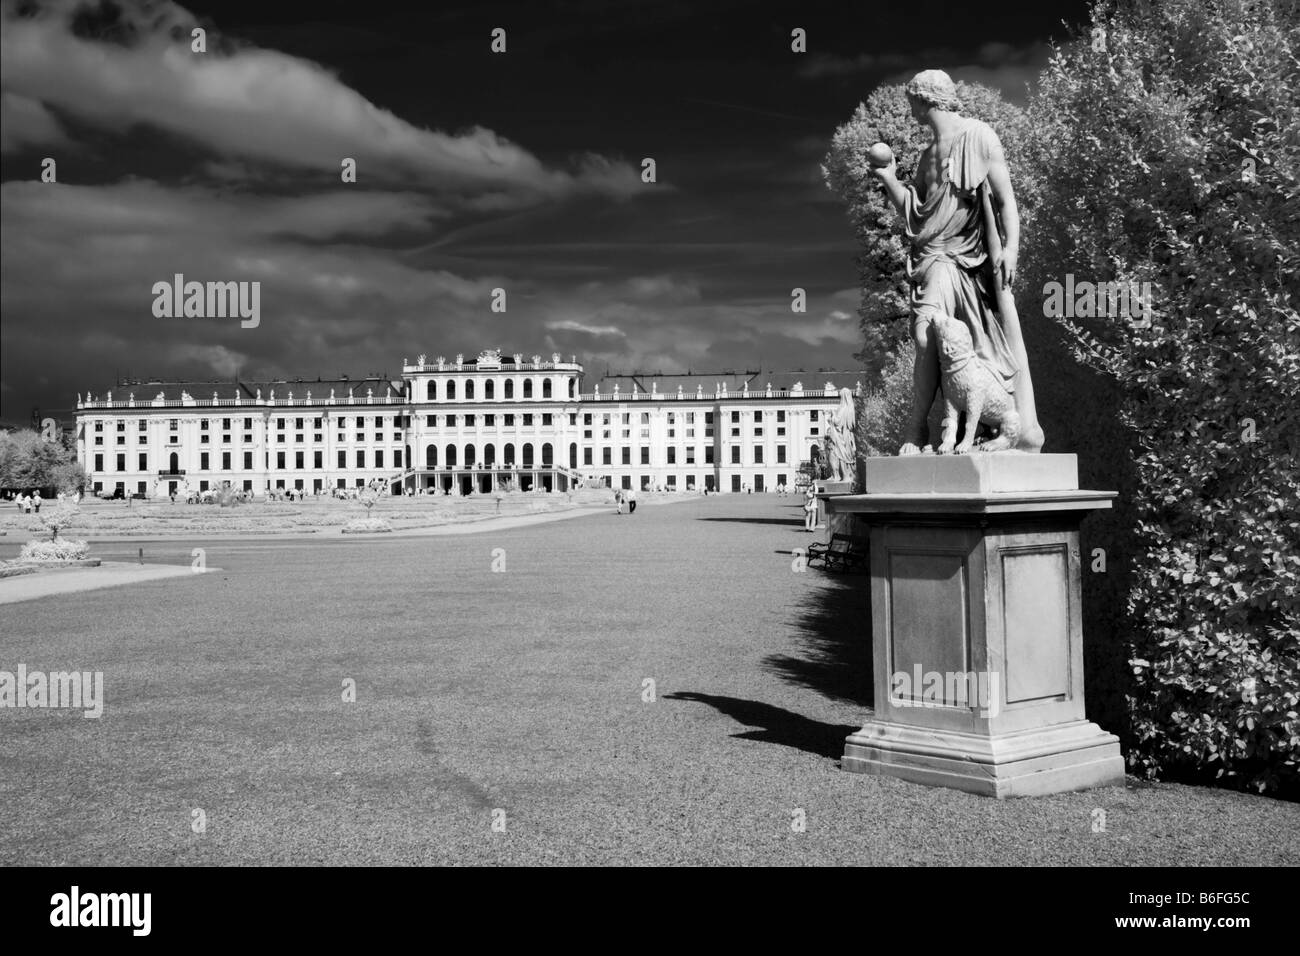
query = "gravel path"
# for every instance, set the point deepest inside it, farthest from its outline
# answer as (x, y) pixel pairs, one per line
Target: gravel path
(520, 690)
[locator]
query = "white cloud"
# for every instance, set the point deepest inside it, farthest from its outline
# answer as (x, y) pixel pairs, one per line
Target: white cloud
(264, 106)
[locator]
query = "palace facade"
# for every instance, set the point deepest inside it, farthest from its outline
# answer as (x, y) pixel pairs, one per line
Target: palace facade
(462, 426)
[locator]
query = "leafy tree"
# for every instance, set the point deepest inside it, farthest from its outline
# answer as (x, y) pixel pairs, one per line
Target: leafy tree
(1167, 139)
(29, 461)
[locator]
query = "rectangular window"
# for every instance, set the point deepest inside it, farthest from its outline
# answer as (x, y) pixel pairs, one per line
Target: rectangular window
(397, 458)
(627, 455)
(279, 460)
(510, 421)
(225, 424)
(99, 439)
(379, 458)
(735, 417)
(361, 458)
(469, 421)
(225, 461)
(144, 462)
(573, 418)
(586, 418)
(758, 417)
(298, 438)
(297, 423)
(203, 461)
(690, 455)
(780, 456)
(99, 426)
(528, 419)
(606, 456)
(343, 459)
(645, 455)
(758, 432)
(297, 459)
(758, 454)
(248, 424)
(431, 421)
(645, 418)
(451, 421)
(708, 454)
(248, 437)
(780, 417)
(672, 456)
(279, 423)
(812, 415)
(248, 461)
(490, 421)
(203, 425)
(546, 418)
(735, 454)
(203, 440)
(735, 483)
(99, 462)
(315, 423)
(586, 458)
(144, 425)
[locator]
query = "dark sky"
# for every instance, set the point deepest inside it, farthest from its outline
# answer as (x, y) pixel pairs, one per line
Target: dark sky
(475, 170)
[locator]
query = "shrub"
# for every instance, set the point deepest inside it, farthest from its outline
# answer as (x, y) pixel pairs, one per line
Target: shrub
(59, 550)
(1189, 179)
(366, 526)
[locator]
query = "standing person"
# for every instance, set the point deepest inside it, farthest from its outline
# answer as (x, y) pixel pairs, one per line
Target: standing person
(809, 509)
(618, 501)
(631, 501)
(36, 499)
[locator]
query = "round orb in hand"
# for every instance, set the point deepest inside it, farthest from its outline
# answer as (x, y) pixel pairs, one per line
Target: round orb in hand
(880, 155)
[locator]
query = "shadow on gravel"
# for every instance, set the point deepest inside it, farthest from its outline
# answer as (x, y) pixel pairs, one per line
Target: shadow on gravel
(776, 725)
(834, 628)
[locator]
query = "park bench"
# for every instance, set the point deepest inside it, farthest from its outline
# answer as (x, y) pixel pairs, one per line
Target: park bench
(844, 552)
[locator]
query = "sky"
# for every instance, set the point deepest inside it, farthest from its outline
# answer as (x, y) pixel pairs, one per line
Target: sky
(475, 170)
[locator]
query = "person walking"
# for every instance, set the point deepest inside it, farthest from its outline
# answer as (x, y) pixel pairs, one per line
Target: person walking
(631, 501)
(618, 501)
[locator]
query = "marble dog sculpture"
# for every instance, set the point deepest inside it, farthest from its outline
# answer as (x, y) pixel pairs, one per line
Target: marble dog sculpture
(970, 386)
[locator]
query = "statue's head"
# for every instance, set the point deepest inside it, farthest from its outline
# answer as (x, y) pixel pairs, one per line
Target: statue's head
(932, 89)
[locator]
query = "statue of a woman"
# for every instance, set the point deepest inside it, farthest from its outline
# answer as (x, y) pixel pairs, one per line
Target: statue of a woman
(841, 446)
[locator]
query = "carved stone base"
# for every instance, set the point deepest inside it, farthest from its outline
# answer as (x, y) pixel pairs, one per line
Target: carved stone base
(1031, 763)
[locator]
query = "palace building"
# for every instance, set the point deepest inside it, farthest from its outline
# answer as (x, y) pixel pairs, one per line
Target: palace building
(463, 426)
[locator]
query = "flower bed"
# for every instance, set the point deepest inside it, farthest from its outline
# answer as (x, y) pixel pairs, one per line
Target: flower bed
(367, 526)
(62, 549)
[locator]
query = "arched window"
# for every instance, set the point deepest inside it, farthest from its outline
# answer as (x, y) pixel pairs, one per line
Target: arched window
(433, 391)
(489, 455)
(431, 457)
(469, 391)
(510, 388)
(451, 456)
(508, 454)
(175, 463)
(547, 455)
(490, 390)
(470, 460)
(573, 452)
(451, 391)
(528, 388)
(573, 387)
(528, 454)
(546, 388)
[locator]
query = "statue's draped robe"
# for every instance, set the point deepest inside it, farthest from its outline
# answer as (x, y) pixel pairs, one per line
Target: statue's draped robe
(948, 262)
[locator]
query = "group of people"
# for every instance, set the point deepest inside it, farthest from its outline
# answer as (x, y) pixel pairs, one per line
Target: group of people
(28, 503)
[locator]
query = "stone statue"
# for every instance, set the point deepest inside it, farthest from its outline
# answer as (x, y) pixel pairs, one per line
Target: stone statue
(841, 445)
(971, 387)
(956, 212)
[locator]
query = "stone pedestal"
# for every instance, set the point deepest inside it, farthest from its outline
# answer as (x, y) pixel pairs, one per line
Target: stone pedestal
(827, 489)
(975, 622)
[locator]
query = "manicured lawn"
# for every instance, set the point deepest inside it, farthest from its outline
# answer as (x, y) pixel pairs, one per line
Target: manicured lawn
(519, 690)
